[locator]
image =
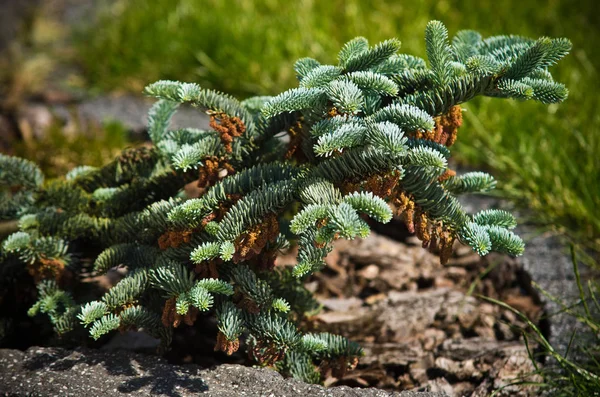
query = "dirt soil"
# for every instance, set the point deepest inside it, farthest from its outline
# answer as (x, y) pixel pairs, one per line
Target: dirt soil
(420, 324)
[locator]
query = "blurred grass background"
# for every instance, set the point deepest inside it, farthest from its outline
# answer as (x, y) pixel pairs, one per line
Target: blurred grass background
(56, 153)
(546, 157)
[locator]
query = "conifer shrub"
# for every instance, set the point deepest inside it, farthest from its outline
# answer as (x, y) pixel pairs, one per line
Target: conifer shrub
(357, 142)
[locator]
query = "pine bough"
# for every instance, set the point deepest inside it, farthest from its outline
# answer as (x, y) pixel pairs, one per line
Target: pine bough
(366, 138)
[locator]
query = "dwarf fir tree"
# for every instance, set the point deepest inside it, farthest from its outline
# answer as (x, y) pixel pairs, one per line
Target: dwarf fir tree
(367, 138)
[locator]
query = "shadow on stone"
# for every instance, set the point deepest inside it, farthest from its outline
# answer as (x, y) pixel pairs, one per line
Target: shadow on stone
(104, 370)
(44, 371)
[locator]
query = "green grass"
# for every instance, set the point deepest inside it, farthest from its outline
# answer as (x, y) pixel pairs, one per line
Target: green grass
(544, 156)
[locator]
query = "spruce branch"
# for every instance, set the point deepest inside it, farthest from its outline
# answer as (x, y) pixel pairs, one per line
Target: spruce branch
(371, 57)
(354, 47)
(320, 76)
(495, 217)
(439, 52)
(369, 137)
(346, 96)
(304, 65)
(465, 45)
